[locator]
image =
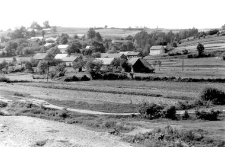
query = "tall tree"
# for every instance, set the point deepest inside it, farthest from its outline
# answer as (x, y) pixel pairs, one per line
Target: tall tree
(98, 37)
(46, 24)
(35, 25)
(74, 47)
(200, 49)
(91, 33)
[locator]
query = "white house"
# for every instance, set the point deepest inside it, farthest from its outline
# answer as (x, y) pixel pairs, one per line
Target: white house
(61, 56)
(156, 50)
(105, 61)
(63, 48)
(69, 60)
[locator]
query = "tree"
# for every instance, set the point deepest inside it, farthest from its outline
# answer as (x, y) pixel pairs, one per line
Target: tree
(11, 48)
(63, 39)
(98, 47)
(46, 24)
(32, 33)
(54, 50)
(78, 64)
(223, 27)
(98, 37)
(54, 29)
(28, 66)
(96, 55)
(14, 60)
(74, 47)
(3, 65)
(91, 33)
(200, 49)
(35, 25)
(43, 33)
(105, 26)
(42, 66)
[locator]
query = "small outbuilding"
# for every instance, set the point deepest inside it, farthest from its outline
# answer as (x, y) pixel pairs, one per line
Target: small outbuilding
(156, 50)
(69, 60)
(40, 56)
(63, 48)
(140, 65)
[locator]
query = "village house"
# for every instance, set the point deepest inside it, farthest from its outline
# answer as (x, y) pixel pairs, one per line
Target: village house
(40, 56)
(60, 56)
(63, 48)
(133, 54)
(115, 55)
(51, 39)
(47, 30)
(105, 61)
(36, 38)
(156, 50)
(140, 65)
(70, 59)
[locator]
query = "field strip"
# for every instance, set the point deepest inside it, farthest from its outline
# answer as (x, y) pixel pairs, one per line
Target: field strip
(111, 91)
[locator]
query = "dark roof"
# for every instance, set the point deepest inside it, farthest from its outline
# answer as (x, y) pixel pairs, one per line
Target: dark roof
(132, 61)
(157, 47)
(146, 64)
(40, 56)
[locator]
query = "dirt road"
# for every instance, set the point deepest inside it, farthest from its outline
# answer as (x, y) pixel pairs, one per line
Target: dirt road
(22, 131)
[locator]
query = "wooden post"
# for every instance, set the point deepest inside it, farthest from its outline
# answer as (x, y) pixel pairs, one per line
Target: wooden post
(47, 71)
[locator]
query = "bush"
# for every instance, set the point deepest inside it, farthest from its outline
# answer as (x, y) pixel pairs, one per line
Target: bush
(3, 104)
(85, 78)
(4, 79)
(151, 111)
(170, 112)
(185, 115)
(212, 94)
(212, 115)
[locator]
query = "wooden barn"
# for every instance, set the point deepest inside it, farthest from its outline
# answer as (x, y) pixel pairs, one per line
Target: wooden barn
(140, 65)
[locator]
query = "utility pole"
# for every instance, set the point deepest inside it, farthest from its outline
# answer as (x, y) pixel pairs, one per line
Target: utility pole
(47, 71)
(183, 64)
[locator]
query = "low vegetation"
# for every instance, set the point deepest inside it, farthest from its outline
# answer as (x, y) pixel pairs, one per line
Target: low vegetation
(214, 95)
(170, 136)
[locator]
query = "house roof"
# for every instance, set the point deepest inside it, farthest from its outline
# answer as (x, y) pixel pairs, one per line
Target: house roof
(35, 38)
(132, 61)
(107, 55)
(157, 47)
(133, 53)
(105, 61)
(47, 44)
(60, 56)
(40, 56)
(51, 38)
(70, 58)
(125, 53)
(63, 46)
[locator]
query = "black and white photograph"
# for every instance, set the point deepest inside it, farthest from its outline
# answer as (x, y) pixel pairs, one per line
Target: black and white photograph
(112, 73)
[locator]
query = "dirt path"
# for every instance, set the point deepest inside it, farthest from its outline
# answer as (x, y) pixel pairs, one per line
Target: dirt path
(22, 131)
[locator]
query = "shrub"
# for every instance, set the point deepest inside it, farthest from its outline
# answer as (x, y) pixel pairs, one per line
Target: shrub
(85, 78)
(3, 104)
(151, 111)
(212, 115)
(170, 112)
(212, 94)
(185, 115)
(185, 51)
(4, 79)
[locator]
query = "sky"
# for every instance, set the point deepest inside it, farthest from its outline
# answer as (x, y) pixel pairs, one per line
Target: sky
(171, 14)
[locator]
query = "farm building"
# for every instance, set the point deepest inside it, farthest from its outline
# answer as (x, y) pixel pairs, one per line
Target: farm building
(69, 60)
(133, 55)
(116, 55)
(40, 56)
(36, 38)
(63, 48)
(105, 61)
(48, 30)
(60, 56)
(48, 44)
(140, 65)
(156, 50)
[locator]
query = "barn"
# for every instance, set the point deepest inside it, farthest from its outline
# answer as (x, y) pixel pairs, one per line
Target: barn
(140, 65)
(156, 50)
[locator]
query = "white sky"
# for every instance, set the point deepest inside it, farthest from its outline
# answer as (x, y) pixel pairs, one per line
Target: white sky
(114, 13)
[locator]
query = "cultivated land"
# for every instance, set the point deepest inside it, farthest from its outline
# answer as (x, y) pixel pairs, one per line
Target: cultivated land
(117, 96)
